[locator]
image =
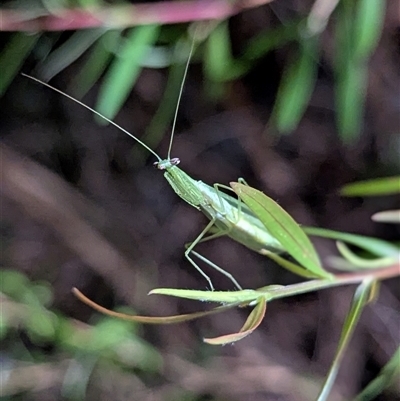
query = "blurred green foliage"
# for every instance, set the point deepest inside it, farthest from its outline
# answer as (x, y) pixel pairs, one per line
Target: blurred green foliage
(114, 58)
(375, 187)
(26, 310)
(120, 54)
(358, 29)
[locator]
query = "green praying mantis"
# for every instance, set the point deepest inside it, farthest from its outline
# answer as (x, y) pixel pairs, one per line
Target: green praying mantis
(228, 215)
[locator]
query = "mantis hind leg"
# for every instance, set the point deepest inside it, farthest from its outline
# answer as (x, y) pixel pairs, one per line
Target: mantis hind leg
(199, 239)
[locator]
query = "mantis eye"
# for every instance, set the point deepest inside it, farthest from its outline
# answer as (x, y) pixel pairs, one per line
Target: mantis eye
(165, 164)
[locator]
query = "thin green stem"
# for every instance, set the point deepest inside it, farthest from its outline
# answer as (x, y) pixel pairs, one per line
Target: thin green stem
(338, 280)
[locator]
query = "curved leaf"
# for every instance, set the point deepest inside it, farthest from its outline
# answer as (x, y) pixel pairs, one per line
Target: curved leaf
(252, 322)
(363, 263)
(148, 319)
(282, 226)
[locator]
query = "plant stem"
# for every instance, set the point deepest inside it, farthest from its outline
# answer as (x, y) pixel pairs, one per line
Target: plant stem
(338, 280)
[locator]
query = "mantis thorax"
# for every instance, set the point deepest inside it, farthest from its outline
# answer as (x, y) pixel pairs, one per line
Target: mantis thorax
(183, 185)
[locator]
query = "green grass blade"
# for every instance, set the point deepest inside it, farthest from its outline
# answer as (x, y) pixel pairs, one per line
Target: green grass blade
(386, 377)
(223, 297)
(350, 91)
(358, 29)
(375, 187)
(370, 244)
(368, 26)
(96, 63)
(68, 52)
(281, 226)
(271, 39)
(351, 75)
(13, 56)
(296, 87)
(125, 69)
(219, 64)
(360, 299)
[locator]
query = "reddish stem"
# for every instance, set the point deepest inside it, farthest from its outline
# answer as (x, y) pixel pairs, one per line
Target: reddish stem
(171, 12)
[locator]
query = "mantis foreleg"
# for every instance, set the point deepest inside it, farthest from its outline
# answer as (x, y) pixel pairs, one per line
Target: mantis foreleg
(219, 269)
(220, 213)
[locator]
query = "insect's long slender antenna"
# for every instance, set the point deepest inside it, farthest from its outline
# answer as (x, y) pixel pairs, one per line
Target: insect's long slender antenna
(179, 98)
(95, 112)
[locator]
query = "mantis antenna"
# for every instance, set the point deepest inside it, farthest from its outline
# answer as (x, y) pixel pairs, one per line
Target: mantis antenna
(179, 98)
(95, 112)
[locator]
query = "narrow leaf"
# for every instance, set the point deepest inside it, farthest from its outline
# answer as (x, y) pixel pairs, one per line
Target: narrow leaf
(375, 187)
(125, 69)
(350, 76)
(296, 87)
(96, 63)
(351, 84)
(13, 55)
(219, 64)
(368, 23)
(360, 299)
(370, 244)
(386, 377)
(148, 319)
(270, 39)
(282, 226)
(253, 321)
(224, 297)
(69, 52)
